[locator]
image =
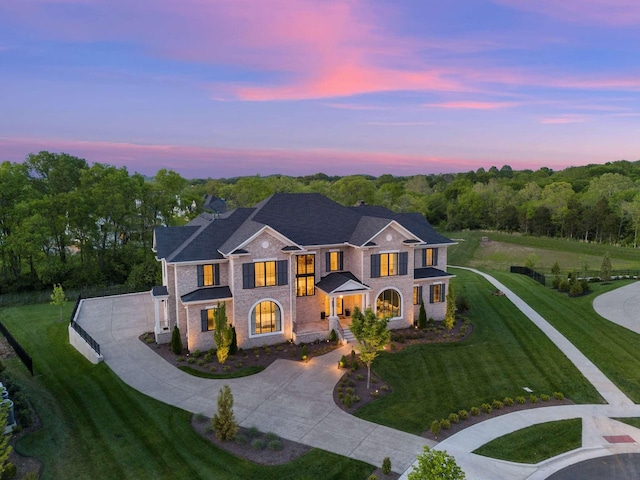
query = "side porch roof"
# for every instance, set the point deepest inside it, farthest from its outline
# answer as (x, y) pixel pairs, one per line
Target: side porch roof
(339, 282)
(206, 294)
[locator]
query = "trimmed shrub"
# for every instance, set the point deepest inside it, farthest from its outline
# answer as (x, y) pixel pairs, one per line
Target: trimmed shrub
(343, 361)
(520, 399)
(486, 408)
(304, 353)
(544, 397)
(575, 289)
(253, 432)
(463, 414)
(497, 405)
(508, 401)
(241, 439)
(258, 444)
(372, 477)
(333, 336)
(454, 418)
(533, 398)
(422, 316)
(445, 424)
(176, 341)
(558, 395)
(435, 427)
(386, 466)
(564, 285)
(275, 445)
(556, 282)
(475, 411)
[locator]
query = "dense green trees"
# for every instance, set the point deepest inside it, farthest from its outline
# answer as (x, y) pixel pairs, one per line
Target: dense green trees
(63, 221)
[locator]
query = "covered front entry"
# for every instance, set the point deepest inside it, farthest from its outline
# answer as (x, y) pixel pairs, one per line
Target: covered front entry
(343, 292)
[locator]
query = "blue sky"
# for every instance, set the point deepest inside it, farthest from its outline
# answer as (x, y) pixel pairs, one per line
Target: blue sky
(228, 88)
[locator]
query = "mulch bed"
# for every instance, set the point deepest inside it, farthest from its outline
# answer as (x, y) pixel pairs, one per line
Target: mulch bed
(472, 420)
(259, 356)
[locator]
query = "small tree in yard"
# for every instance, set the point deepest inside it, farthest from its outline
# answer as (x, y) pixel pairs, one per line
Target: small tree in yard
(233, 349)
(436, 464)
(450, 315)
(223, 333)
(176, 341)
(605, 268)
(422, 316)
(58, 297)
(372, 335)
(223, 421)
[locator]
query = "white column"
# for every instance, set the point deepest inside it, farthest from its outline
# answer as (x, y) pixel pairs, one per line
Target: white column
(157, 311)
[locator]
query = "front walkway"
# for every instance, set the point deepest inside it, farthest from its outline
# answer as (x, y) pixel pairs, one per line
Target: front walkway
(292, 399)
(295, 400)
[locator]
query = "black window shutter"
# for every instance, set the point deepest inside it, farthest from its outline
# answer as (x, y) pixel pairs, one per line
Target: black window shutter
(282, 272)
(327, 257)
(200, 275)
(403, 260)
(424, 257)
(435, 257)
(203, 320)
(442, 293)
(216, 274)
(341, 267)
(248, 275)
(375, 265)
(430, 293)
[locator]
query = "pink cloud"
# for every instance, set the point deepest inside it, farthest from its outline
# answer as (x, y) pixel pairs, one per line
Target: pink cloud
(565, 118)
(620, 13)
(202, 162)
(472, 105)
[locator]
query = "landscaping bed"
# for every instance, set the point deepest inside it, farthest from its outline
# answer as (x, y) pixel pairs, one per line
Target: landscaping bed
(243, 363)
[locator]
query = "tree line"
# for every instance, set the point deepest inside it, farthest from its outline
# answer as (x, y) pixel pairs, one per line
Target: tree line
(63, 221)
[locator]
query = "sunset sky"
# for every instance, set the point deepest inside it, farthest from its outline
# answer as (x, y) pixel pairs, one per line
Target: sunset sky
(227, 88)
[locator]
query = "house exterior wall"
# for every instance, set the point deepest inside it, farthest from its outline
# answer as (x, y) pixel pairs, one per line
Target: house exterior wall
(264, 247)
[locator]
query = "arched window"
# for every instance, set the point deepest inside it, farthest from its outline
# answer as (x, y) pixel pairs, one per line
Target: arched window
(266, 318)
(388, 304)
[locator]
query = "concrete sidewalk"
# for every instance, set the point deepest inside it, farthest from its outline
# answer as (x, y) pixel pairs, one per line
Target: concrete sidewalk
(621, 306)
(292, 399)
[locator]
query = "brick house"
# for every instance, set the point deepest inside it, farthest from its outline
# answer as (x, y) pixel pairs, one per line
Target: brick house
(294, 267)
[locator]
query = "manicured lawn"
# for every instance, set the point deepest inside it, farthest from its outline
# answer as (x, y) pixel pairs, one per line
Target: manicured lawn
(505, 250)
(505, 353)
(612, 348)
(94, 426)
(536, 443)
(244, 372)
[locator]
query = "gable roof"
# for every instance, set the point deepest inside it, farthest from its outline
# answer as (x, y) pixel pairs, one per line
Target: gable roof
(303, 219)
(341, 282)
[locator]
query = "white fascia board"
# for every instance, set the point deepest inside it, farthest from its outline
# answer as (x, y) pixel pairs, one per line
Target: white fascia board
(396, 226)
(271, 231)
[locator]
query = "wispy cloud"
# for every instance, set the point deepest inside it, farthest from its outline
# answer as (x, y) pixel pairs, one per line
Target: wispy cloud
(399, 124)
(565, 118)
(471, 105)
(620, 13)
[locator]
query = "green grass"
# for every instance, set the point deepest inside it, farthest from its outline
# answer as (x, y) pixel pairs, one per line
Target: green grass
(633, 421)
(612, 348)
(536, 443)
(505, 353)
(515, 249)
(94, 426)
(243, 372)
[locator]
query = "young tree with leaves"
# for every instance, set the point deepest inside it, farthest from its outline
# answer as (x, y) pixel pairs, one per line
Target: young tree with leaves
(372, 335)
(223, 333)
(176, 340)
(224, 422)
(422, 316)
(5, 447)
(58, 298)
(450, 314)
(434, 464)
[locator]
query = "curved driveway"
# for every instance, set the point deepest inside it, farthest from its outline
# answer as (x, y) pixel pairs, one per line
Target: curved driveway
(295, 400)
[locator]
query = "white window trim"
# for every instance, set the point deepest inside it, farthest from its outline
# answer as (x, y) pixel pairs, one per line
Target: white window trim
(260, 335)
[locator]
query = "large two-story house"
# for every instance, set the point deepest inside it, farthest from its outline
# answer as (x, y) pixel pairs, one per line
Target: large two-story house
(293, 268)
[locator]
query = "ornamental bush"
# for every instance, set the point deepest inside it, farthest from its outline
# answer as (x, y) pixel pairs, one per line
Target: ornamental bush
(486, 408)
(544, 397)
(454, 418)
(520, 399)
(176, 341)
(435, 427)
(475, 411)
(445, 424)
(386, 466)
(558, 395)
(497, 404)
(533, 398)
(508, 401)
(224, 422)
(463, 414)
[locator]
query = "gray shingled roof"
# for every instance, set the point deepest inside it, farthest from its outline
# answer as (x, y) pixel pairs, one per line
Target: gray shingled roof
(306, 219)
(159, 291)
(430, 272)
(335, 280)
(207, 293)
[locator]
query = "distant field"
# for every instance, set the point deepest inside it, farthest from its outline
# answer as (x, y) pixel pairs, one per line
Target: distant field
(503, 250)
